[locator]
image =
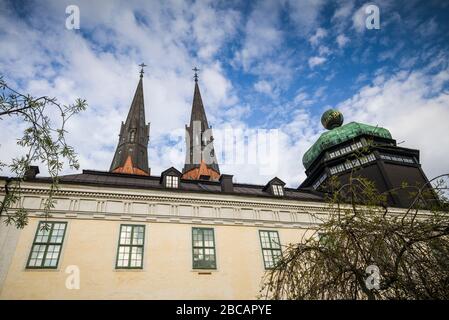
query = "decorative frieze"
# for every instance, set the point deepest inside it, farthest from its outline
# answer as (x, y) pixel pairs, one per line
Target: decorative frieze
(180, 209)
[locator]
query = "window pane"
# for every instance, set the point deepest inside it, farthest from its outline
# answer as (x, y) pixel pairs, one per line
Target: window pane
(136, 257)
(265, 239)
(57, 233)
(43, 231)
(203, 248)
(138, 235)
(198, 254)
(123, 257)
(168, 182)
(125, 235)
(281, 190)
(130, 251)
(271, 248)
(37, 255)
(42, 236)
(268, 259)
(274, 240)
(47, 245)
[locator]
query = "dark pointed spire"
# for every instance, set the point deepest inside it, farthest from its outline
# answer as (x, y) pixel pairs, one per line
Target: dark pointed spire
(200, 154)
(198, 112)
(131, 155)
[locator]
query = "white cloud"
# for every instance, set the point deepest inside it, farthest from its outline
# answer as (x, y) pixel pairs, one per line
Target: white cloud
(264, 87)
(344, 10)
(324, 51)
(428, 28)
(342, 40)
(262, 52)
(316, 38)
(316, 61)
(262, 36)
(359, 18)
(206, 19)
(305, 14)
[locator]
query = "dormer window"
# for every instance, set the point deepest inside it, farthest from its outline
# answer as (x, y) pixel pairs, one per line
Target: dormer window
(171, 182)
(278, 190)
(275, 186)
(170, 178)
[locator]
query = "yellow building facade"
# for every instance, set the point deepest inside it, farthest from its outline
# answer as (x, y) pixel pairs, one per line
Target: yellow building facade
(87, 264)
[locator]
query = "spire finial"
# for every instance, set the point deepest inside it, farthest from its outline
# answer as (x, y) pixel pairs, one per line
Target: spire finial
(196, 74)
(142, 65)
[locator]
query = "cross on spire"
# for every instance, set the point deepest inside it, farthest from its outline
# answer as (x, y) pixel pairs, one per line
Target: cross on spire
(196, 74)
(142, 65)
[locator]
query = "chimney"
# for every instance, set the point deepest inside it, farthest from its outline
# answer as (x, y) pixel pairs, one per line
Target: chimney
(31, 172)
(226, 183)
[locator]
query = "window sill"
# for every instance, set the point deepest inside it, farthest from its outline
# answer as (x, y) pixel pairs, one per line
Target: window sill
(204, 271)
(41, 269)
(129, 270)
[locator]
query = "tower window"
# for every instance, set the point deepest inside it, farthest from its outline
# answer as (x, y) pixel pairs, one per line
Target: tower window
(132, 136)
(171, 182)
(47, 245)
(271, 248)
(203, 246)
(322, 178)
(278, 190)
(130, 247)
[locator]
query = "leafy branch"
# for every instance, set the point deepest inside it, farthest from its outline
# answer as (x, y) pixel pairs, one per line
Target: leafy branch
(410, 248)
(44, 141)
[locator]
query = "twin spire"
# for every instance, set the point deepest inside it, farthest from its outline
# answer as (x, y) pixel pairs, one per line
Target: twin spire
(201, 161)
(131, 155)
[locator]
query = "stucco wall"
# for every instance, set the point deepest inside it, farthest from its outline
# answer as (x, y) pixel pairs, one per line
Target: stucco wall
(94, 215)
(167, 272)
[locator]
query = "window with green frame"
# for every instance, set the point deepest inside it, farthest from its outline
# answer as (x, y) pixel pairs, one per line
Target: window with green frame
(203, 248)
(47, 245)
(130, 247)
(271, 247)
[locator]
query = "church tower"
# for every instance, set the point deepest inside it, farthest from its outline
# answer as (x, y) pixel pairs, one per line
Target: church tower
(365, 151)
(131, 155)
(201, 161)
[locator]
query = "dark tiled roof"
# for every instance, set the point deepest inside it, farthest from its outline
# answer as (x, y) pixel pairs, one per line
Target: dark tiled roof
(102, 178)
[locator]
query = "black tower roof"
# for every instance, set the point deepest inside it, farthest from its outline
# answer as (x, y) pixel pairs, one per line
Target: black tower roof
(131, 155)
(196, 137)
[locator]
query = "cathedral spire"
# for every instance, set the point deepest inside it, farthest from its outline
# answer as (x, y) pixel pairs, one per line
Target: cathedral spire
(131, 155)
(200, 161)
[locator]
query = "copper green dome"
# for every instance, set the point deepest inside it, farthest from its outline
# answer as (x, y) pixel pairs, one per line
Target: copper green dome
(340, 134)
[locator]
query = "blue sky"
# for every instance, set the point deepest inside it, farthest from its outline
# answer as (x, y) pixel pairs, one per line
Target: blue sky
(265, 65)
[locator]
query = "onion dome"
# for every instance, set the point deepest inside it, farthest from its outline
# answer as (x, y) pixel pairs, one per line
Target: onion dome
(338, 133)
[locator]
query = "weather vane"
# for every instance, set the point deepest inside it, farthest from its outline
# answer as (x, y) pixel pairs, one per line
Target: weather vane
(142, 65)
(196, 74)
